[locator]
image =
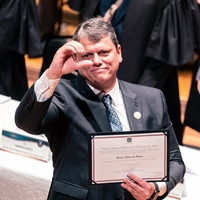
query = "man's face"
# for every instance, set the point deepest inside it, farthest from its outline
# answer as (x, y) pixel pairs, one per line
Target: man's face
(105, 59)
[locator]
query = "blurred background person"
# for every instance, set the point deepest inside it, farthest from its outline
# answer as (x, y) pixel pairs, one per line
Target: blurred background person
(19, 35)
(48, 16)
(192, 112)
(157, 37)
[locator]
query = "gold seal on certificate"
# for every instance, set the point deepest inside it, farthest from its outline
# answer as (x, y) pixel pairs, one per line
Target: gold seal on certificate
(113, 156)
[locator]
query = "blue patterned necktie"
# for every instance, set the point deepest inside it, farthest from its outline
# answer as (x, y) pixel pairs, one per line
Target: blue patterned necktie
(113, 118)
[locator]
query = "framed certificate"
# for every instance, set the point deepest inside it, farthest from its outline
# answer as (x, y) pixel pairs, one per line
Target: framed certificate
(113, 155)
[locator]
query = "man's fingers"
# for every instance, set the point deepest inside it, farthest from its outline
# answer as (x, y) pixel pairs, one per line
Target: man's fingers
(136, 179)
(83, 64)
(74, 46)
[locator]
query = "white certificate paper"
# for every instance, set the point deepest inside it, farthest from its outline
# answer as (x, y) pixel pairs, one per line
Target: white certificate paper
(114, 155)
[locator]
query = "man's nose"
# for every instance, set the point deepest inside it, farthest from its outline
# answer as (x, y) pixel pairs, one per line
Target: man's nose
(96, 59)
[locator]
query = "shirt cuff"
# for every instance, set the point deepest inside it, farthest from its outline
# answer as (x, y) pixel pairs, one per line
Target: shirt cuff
(44, 87)
(162, 187)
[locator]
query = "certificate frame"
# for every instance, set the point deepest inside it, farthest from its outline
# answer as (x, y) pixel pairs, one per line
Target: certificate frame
(113, 155)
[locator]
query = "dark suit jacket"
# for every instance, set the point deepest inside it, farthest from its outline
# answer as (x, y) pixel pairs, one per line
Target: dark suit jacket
(72, 113)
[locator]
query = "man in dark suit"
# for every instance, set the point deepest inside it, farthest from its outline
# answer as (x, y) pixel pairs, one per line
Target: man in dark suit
(67, 110)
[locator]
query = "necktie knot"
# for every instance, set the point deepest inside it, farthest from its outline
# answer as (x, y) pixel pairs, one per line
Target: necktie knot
(107, 100)
(113, 118)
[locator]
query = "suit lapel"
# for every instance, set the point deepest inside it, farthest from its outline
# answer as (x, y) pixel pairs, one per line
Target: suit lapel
(133, 110)
(98, 110)
(133, 107)
(96, 107)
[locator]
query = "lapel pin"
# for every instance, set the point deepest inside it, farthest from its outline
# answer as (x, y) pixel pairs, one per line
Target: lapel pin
(137, 115)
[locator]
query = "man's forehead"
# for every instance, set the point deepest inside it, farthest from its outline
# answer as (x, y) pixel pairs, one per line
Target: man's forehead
(90, 39)
(103, 42)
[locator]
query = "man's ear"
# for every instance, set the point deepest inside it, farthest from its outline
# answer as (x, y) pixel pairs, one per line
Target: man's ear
(119, 51)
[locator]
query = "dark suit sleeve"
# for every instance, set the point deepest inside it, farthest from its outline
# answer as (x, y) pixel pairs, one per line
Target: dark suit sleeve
(176, 166)
(30, 113)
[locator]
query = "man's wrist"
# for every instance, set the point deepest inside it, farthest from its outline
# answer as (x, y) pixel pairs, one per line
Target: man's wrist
(44, 87)
(156, 192)
(51, 75)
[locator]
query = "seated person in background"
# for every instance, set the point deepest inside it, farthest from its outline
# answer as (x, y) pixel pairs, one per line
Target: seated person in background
(67, 110)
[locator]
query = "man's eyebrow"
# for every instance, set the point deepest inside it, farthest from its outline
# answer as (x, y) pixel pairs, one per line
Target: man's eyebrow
(99, 50)
(87, 52)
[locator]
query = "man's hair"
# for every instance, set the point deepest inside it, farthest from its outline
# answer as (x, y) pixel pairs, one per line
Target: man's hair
(95, 29)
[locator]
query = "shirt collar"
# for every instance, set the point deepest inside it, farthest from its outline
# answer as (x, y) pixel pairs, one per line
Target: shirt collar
(114, 93)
